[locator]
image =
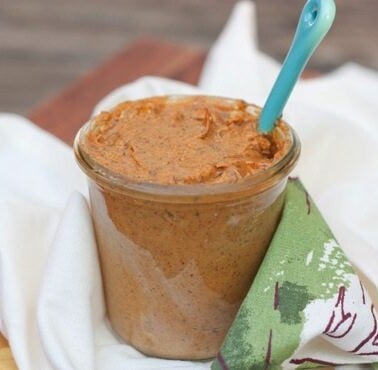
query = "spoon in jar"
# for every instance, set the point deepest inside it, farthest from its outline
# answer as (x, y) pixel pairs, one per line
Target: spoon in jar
(315, 21)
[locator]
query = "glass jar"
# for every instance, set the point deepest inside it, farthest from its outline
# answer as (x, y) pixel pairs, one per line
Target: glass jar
(177, 260)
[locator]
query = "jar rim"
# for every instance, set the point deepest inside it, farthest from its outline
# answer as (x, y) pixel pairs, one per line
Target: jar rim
(189, 193)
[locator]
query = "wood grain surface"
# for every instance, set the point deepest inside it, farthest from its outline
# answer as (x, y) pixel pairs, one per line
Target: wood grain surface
(44, 44)
(64, 114)
(6, 358)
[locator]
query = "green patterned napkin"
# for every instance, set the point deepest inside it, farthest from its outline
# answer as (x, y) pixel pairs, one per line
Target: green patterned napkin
(306, 308)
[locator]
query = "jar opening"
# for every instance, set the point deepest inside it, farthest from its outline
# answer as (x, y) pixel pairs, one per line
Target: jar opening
(199, 192)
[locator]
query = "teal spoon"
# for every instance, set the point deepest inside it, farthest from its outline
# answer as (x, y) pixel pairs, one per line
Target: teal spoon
(314, 23)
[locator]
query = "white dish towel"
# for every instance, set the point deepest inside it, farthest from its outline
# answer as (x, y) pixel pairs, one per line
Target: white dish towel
(51, 302)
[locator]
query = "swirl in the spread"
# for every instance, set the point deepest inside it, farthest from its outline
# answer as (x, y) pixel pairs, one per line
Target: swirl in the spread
(183, 140)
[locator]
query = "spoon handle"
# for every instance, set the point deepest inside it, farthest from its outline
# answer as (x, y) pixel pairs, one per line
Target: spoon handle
(316, 19)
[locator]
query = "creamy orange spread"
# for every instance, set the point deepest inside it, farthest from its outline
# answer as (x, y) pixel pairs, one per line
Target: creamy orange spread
(183, 140)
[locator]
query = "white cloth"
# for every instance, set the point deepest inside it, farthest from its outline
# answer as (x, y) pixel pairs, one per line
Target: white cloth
(51, 303)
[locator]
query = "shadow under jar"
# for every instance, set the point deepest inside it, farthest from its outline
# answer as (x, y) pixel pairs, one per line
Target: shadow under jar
(178, 259)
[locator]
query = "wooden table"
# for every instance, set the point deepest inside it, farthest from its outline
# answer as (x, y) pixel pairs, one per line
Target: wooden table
(63, 115)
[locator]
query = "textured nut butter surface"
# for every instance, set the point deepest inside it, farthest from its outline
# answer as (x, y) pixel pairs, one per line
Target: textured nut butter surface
(183, 140)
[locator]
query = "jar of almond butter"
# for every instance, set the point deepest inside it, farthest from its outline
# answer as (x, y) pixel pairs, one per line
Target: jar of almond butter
(185, 195)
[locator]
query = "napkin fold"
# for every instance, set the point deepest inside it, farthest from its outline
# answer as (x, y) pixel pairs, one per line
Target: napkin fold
(51, 305)
(67, 264)
(234, 66)
(317, 312)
